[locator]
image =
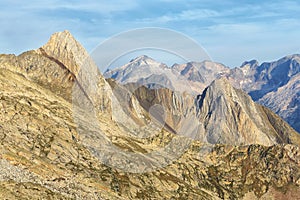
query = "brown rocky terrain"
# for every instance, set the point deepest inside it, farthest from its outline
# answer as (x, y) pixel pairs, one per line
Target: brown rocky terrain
(43, 154)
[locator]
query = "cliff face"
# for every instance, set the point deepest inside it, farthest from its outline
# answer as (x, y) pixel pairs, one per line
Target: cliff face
(43, 153)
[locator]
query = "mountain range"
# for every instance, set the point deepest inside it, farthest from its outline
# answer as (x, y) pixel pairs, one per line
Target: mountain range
(67, 132)
(271, 84)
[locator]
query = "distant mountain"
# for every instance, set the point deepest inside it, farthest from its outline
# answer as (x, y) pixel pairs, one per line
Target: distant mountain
(204, 72)
(273, 84)
(285, 101)
(222, 114)
(183, 78)
(267, 77)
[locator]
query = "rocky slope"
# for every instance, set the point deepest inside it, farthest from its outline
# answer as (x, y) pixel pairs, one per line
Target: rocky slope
(43, 154)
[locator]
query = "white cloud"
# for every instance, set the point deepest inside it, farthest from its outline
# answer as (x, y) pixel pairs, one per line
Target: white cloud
(197, 14)
(88, 5)
(186, 15)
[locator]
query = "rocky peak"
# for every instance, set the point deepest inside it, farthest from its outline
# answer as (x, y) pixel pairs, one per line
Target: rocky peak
(141, 58)
(251, 63)
(63, 66)
(140, 67)
(270, 76)
(201, 72)
(228, 114)
(221, 93)
(144, 60)
(221, 84)
(286, 66)
(291, 57)
(296, 57)
(63, 47)
(205, 65)
(293, 64)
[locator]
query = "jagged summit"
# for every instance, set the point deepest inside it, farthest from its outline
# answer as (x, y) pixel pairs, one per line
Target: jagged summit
(221, 83)
(63, 47)
(136, 69)
(250, 63)
(142, 58)
(60, 36)
(293, 56)
(61, 40)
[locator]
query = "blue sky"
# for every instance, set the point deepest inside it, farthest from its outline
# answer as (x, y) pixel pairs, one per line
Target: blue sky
(230, 31)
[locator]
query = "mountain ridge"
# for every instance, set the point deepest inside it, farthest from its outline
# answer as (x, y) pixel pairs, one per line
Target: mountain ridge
(258, 80)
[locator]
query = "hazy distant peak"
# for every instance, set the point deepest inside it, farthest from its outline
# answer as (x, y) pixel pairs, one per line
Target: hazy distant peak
(207, 64)
(293, 56)
(284, 59)
(142, 58)
(250, 63)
